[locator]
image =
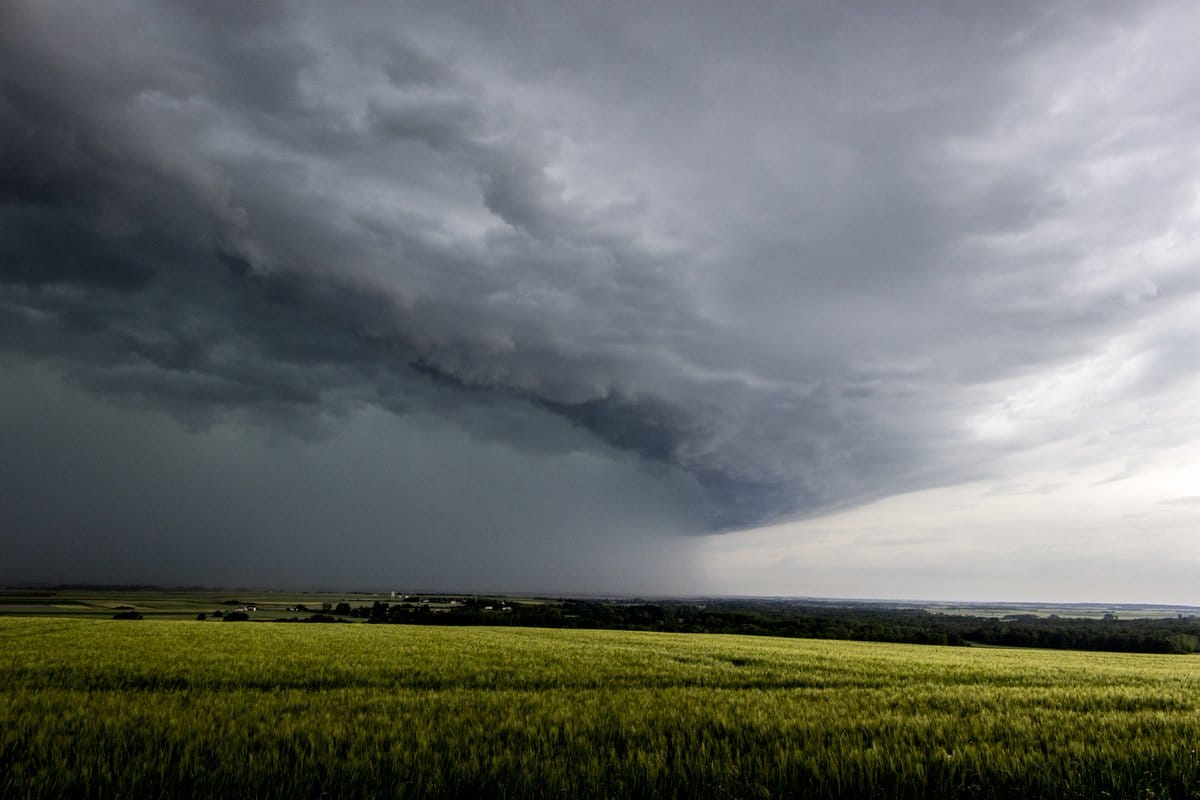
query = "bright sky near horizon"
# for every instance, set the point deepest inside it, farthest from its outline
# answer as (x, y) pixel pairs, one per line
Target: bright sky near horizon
(813, 298)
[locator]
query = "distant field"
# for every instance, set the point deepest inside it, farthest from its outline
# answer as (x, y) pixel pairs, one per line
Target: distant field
(1065, 610)
(103, 708)
(165, 604)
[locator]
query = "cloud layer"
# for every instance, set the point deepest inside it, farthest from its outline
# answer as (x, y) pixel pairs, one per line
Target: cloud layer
(795, 260)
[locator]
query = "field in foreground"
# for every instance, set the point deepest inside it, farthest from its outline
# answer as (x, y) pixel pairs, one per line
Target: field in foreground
(104, 708)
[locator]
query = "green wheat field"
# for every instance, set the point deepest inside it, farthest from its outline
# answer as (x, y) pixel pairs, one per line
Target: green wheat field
(105, 708)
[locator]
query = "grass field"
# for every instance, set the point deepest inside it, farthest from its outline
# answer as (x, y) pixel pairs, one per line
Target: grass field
(103, 708)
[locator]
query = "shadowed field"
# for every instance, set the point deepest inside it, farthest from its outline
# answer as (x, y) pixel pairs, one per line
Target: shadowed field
(103, 708)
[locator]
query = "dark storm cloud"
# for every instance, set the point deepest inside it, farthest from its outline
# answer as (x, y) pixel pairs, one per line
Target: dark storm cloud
(784, 253)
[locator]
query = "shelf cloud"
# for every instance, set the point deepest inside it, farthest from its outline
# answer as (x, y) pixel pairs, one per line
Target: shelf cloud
(766, 264)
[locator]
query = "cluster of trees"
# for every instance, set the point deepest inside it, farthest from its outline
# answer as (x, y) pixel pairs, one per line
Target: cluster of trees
(1125, 636)
(795, 619)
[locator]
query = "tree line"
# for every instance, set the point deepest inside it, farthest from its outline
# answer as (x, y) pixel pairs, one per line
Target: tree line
(796, 619)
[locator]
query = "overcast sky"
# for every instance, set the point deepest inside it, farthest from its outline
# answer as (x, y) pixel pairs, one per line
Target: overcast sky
(841, 299)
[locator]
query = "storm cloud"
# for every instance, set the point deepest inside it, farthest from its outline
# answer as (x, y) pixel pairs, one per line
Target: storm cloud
(765, 264)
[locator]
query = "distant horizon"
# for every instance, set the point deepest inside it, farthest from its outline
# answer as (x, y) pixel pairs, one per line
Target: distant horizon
(915, 601)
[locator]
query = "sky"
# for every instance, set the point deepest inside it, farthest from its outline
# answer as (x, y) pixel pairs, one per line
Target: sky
(809, 298)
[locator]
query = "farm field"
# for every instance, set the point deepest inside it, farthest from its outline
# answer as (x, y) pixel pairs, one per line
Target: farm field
(165, 603)
(105, 708)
